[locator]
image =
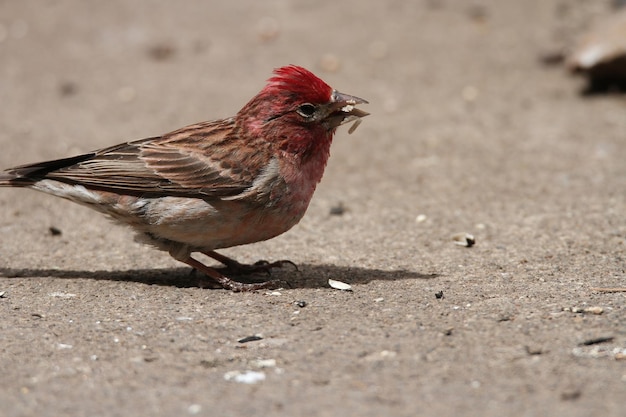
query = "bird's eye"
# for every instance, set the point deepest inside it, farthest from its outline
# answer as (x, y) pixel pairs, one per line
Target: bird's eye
(306, 110)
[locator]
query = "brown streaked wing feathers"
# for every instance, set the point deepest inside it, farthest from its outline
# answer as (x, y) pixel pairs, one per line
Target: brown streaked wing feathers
(154, 166)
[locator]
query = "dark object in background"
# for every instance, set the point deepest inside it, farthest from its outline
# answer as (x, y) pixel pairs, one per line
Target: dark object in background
(338, 210)
(601, 55)
(249, 339)
(55, 231)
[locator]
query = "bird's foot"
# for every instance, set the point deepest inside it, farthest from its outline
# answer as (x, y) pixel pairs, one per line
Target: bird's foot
(213, 278)
(235, 268)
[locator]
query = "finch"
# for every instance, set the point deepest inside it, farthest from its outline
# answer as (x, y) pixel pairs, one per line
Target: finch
(214, 184)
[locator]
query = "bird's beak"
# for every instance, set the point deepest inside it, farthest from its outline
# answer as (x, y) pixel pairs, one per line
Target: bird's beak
(342, 110)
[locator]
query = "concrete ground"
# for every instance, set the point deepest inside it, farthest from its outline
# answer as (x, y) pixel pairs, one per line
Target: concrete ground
(470, 132)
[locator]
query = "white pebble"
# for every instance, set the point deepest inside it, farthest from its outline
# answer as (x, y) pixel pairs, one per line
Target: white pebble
(62, 294)
(264, 363)
(338, 285)
(594, 310)
(245, 377)
(464, 239)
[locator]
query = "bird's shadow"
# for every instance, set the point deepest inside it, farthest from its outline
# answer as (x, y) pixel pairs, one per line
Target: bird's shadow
(306, 276)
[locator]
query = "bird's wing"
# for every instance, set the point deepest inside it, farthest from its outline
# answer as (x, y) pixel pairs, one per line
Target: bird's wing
(180, 163)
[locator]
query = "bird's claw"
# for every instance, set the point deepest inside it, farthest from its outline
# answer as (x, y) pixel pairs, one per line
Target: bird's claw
(234, 268)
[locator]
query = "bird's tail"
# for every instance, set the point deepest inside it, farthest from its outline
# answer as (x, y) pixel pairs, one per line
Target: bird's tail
(12, 179)
(29, 174)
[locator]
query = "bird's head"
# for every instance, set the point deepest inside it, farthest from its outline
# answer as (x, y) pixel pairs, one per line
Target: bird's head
(299, 110)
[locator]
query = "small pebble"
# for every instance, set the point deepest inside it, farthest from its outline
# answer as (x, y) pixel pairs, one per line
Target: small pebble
(161, 52)
(337, 210)
(464, 239)
(420, 218)
(388, 354)
(571, 395)
(250, 339)
(534, 350)
(54, 231)
(245, 377)
(300, 303)
(551, 58)
(264, 363)
(62, 294)
(381, 356)
(597, 340)
(591, 310)
(594, 310)
(338, 285)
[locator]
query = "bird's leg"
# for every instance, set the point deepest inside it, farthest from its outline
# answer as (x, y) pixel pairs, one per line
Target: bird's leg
(244, 269)
(226, 282)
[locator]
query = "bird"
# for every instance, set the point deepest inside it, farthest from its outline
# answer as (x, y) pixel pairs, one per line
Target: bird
(214, 184)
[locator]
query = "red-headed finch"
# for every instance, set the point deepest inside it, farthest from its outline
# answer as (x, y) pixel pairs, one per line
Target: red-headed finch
(213, 184)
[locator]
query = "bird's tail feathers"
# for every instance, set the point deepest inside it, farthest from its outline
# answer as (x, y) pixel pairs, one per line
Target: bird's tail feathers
(26, 175)
(11, 179)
